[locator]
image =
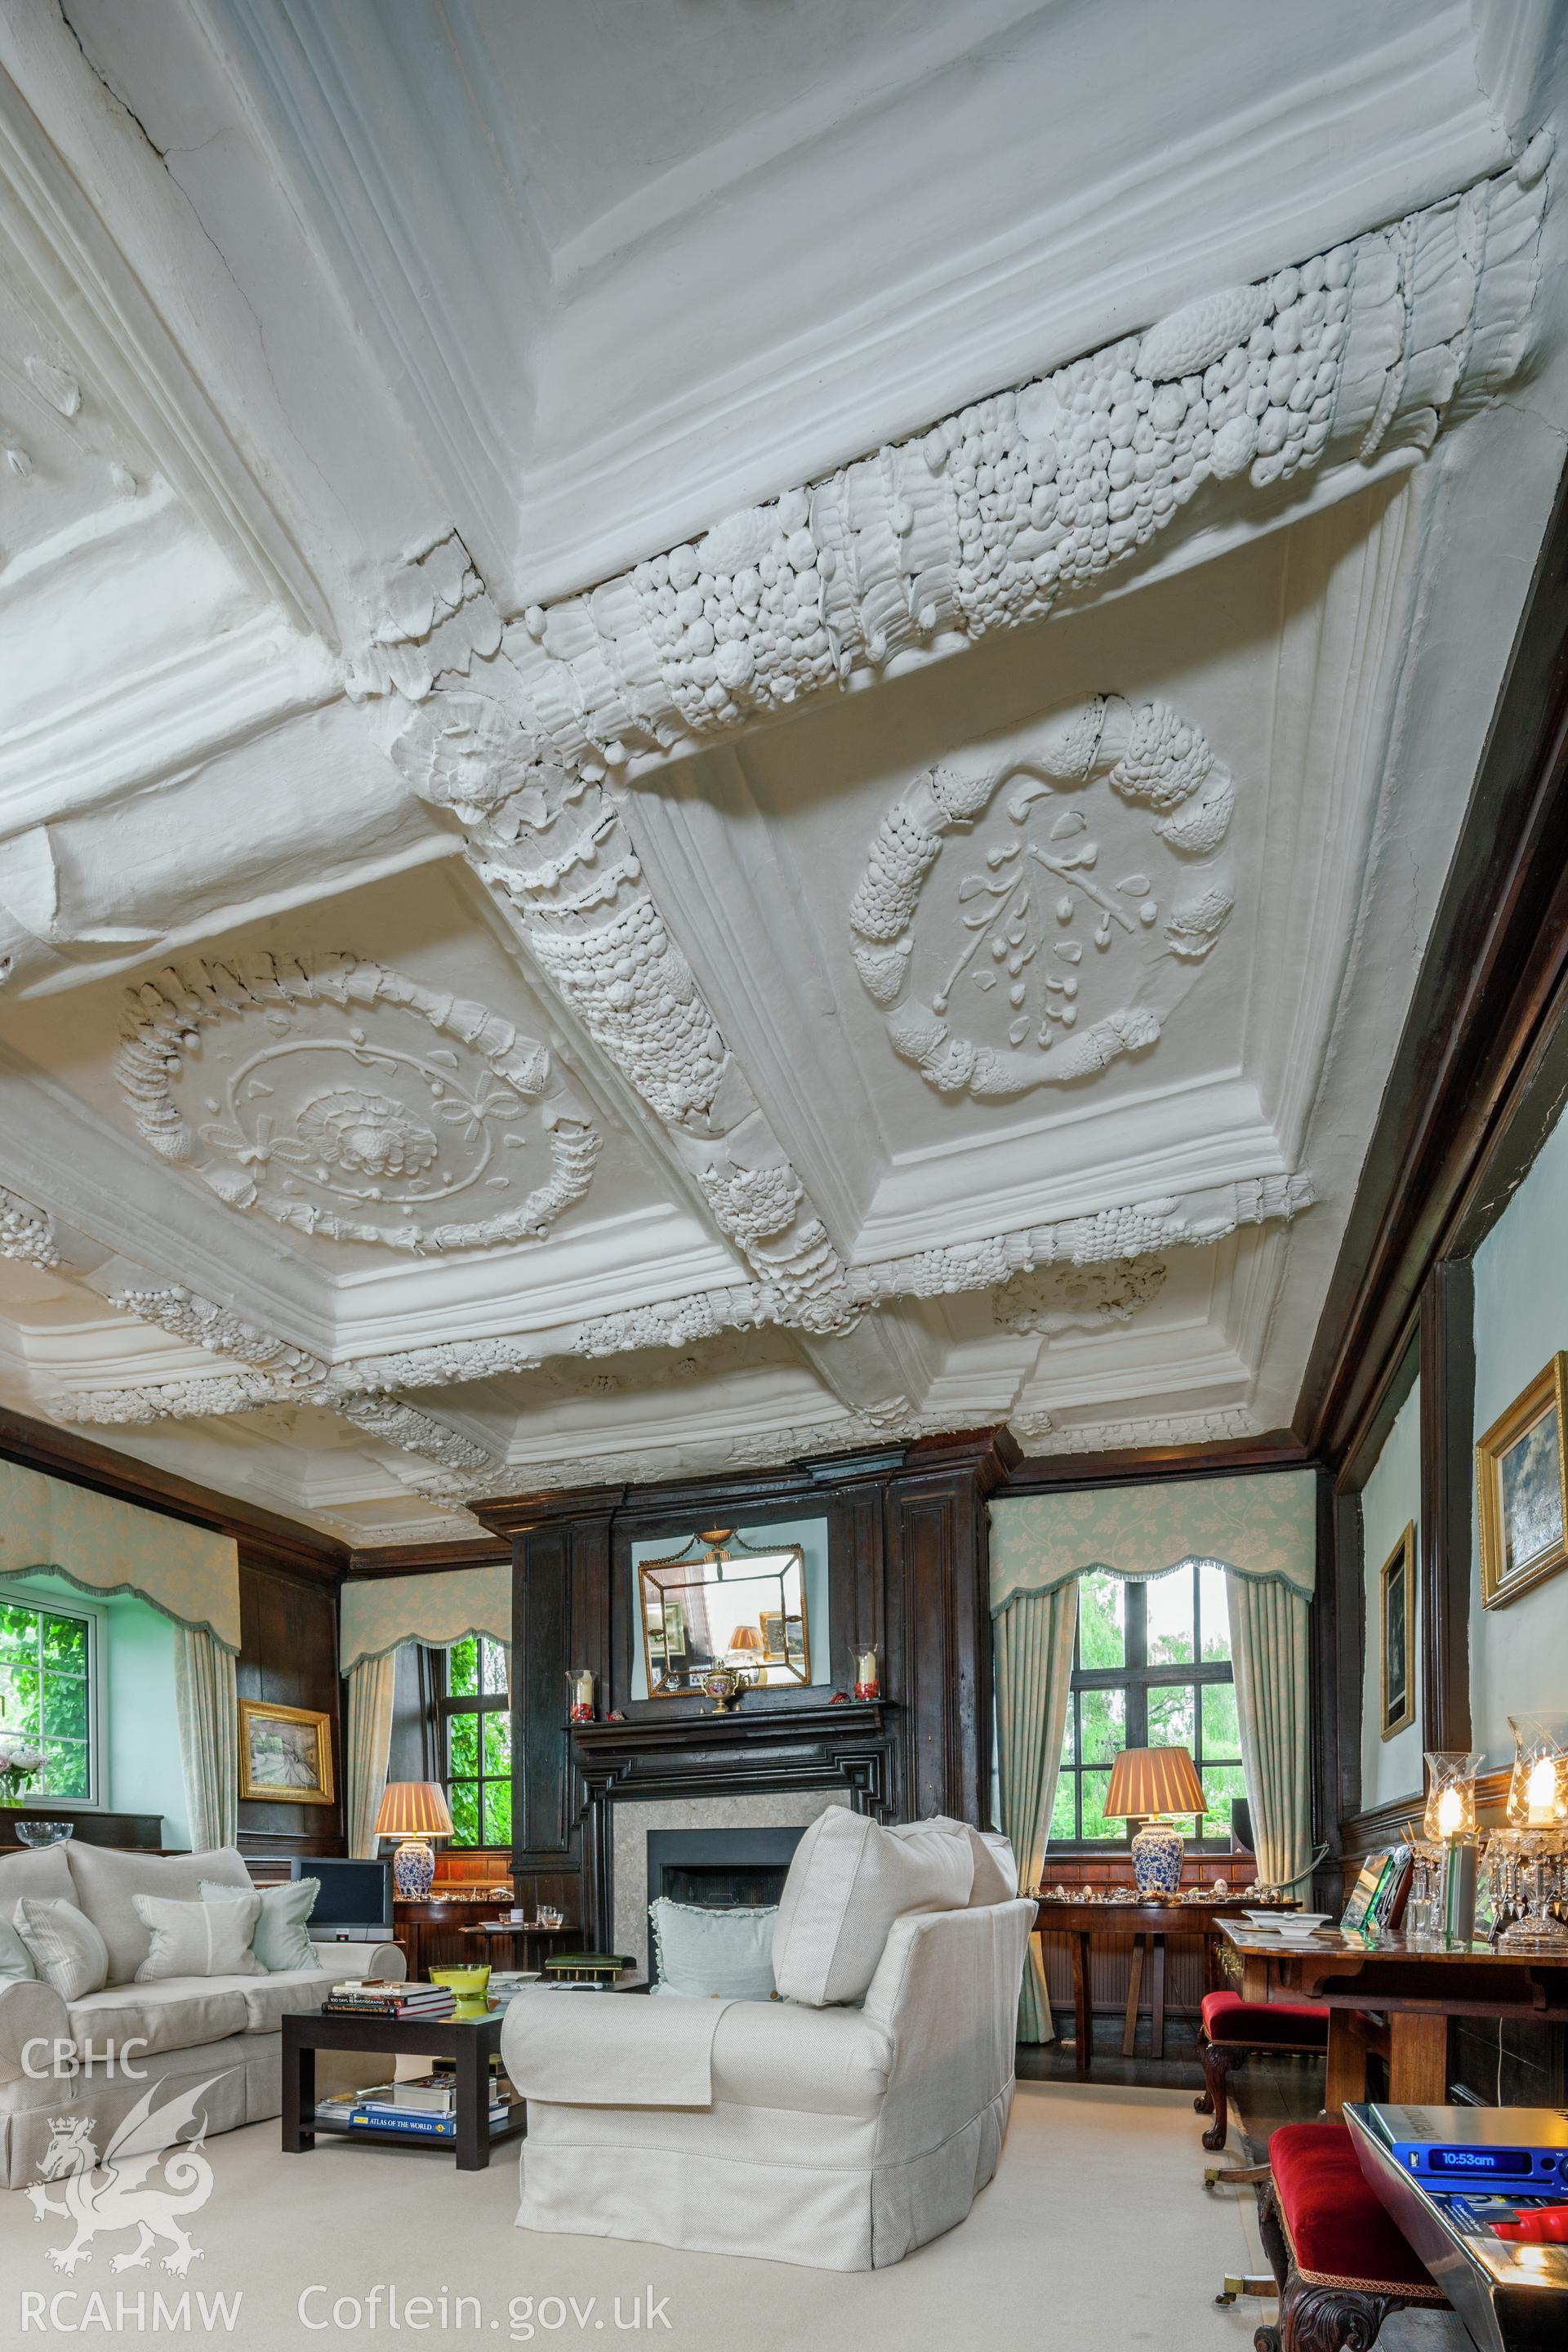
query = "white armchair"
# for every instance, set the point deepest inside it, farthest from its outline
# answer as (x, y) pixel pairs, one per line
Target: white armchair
(841, 2137)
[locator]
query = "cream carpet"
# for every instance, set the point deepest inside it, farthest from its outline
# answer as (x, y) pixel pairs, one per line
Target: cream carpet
(1095, 2233)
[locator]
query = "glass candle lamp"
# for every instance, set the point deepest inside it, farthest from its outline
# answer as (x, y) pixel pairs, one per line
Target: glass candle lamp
(1450, 1821)
(1537, 1786)
(868, 1680)
(580, 1695)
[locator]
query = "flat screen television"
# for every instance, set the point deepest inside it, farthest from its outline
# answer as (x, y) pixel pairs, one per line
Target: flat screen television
(354, 1906)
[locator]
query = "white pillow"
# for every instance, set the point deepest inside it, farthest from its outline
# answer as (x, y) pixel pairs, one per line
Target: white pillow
(63, 1944)
(703, 1952)
(849, 1882)
(995, 1865)
(198, 1939)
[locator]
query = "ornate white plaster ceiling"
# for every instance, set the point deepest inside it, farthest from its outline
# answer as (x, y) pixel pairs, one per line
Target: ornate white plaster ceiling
(561, 921)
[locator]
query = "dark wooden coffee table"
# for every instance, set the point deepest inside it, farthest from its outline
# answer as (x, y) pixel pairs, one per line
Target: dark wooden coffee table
(469, 2044)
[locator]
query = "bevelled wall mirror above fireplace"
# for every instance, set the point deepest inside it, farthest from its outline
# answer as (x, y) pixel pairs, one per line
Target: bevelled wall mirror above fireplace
(753, 1600)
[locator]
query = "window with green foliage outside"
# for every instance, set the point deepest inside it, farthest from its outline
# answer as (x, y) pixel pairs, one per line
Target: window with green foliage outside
(46, 1691)
(475, 1718)
(1151, 1668)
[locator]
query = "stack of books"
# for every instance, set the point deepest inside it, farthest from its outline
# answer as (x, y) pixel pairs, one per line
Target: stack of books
(386, 1997)
(425, 2108)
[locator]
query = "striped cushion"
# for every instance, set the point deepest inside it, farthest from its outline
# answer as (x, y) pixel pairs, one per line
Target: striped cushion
(198, 1939)
(65, 1947)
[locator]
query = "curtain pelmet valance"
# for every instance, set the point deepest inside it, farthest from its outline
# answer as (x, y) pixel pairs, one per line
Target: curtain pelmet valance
(102, 1545)
(380, 1612)
(1258, 1526)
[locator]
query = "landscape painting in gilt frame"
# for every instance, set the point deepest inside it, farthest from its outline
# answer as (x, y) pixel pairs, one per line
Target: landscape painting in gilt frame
(285, 1754)
(1522, 1489)
(1398, 1581)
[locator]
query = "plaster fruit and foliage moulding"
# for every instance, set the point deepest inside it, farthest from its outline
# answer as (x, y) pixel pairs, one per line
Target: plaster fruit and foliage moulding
(983, 522)
(1042, 936)
(1056, 1299)
(1104, 1262)
(26, 1233)
(991, 517)
(349, 1103)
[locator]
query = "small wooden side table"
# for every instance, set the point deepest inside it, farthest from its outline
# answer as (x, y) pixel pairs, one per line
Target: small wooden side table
(516, 1937)
(1148, 1924)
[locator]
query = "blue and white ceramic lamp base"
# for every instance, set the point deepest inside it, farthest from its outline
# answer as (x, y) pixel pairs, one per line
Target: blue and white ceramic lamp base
(1157, 1852)
(413, 1870)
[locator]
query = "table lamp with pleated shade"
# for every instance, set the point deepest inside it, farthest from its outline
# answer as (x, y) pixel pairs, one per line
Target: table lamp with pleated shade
(415, 1812)
(1146, 1782)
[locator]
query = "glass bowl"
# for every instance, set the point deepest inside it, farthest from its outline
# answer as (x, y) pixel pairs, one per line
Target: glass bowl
(44, 1833)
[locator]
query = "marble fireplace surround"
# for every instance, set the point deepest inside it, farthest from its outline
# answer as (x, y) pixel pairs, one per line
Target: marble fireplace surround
(635, 1817)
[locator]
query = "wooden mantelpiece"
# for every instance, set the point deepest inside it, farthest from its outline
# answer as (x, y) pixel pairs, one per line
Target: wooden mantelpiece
(667, 1753)
(760, 1749)
(907, 1570)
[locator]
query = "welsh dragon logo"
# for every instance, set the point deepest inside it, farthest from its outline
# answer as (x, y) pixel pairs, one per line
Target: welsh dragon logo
(124, 2190)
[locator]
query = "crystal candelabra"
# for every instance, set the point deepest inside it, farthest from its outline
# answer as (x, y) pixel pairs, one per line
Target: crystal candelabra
(1529, 1858)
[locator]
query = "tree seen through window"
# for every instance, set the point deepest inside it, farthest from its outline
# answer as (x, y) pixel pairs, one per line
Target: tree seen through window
(1151, 1668)
(475, 1716)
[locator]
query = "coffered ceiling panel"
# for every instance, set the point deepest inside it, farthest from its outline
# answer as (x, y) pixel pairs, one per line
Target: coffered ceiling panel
(731, 730)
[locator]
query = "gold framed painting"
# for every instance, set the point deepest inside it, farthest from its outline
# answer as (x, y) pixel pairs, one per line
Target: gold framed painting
(1397, 1583)
(285, 1754)
(1522, 1489)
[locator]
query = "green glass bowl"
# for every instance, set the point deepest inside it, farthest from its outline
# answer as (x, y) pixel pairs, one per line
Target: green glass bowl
(472, 1987)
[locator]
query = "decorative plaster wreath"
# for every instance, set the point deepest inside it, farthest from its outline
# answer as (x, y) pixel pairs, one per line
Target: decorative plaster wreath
(1020, 907)
(411, 1130)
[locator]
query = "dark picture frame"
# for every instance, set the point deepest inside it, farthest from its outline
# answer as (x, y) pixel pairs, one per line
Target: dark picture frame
(1396, 1588)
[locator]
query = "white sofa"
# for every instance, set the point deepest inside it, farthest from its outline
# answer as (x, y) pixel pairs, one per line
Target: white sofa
(837, 2133)
(192, 2028)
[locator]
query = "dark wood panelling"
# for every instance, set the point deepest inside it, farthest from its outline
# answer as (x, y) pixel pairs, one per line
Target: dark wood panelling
(1482, 1055)
(908, 1566)
(427, 1558)
(1448, 1428)
(1142, 1466)
(288, 1654)
(142, 1831)
(82, 1463)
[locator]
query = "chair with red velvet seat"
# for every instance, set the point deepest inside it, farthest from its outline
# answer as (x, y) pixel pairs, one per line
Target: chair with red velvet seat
(1234, 2028)
(1340, 2264)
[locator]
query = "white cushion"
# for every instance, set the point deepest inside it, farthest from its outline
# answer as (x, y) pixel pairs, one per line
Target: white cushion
(43, 1870)
(850, 1880)
(64, 1945)
(198, 1939)
(106, 1877)
(995, 1865)
(177, 2013)
(703, 1951)
(15, 1960)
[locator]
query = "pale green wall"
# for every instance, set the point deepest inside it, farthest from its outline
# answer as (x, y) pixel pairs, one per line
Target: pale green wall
(141, 1753)
(810, 1535)
(144, 1772)
(1390, 1500)
(1519, 1655)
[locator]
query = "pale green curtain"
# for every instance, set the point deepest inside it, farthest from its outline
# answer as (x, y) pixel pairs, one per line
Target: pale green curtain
(1269, 1648)
(368, 1743)
(1033, 1637)
(207, 1713)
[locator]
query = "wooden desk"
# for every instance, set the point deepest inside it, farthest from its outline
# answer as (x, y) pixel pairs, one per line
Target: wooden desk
(1417, 1983)
(1148, 1924)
